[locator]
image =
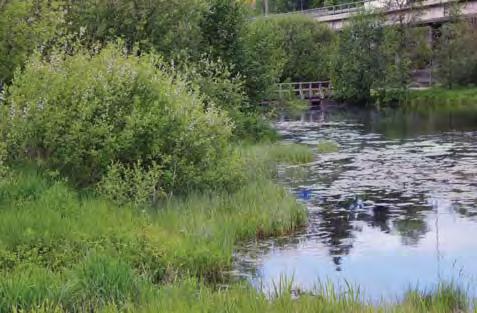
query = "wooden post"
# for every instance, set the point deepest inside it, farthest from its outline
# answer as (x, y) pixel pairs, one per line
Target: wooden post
(310, 91)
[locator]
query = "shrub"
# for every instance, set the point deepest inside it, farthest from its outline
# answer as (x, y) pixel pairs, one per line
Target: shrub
(253, 127)
(80, 114)
(171, 27)
(137, 184)
(263, 58)
(456, 54)
(356, 66)
(308, 46)
(217, 83)
(24, 26)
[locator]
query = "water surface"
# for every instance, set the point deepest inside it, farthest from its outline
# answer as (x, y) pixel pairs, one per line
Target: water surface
(395, 208)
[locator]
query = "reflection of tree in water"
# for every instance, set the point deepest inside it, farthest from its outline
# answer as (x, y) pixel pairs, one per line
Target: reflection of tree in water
(468, 210)
(421, 120)
(411, 229)
(336, 232)
(378, 217)
(336, 221)
(410, 224)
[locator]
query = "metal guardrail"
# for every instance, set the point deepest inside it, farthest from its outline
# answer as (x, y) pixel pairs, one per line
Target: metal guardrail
(352, 7)
(332, 9)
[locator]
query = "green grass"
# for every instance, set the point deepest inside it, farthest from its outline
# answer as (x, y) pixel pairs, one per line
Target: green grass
(62, 251)
(189, 296)
(50, 225)
(60, 247)
(443, 97)
(327, 146)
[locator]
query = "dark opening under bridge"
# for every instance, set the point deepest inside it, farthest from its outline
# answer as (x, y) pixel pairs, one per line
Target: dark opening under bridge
(426, 12)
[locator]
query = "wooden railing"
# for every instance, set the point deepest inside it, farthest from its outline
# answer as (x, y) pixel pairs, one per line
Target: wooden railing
(305, 90)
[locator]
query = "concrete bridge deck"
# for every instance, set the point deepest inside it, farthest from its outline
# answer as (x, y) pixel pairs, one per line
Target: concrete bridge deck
(424, 12)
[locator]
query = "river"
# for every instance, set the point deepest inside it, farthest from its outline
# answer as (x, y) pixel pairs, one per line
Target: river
(394, 209)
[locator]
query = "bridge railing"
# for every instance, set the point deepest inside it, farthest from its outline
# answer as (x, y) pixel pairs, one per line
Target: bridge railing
(305, 90)
(332, 9)
(351, 7)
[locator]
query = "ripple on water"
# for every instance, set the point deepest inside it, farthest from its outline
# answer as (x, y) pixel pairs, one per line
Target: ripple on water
(385, 213)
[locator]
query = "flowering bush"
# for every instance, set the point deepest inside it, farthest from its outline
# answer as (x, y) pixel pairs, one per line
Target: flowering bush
(83, 115)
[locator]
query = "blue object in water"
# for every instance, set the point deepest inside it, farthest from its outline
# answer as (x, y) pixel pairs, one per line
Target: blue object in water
(304, 194)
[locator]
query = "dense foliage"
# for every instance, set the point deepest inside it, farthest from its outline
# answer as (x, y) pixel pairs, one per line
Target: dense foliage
(288, 48)
(222, 27)
(456, 54)
(3, 159)
(263, 58)
(282, 6)
(84, 116)
(141, 22)
(308, 47)
(358, 65)
(144, 102)
(24, 27)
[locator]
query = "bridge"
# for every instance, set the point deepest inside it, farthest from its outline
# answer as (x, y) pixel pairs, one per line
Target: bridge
(314, 92)
(426, 12)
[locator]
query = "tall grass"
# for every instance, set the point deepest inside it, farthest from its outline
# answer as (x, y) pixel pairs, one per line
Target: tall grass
(261, 160)
(327, 146)
(57, 246)
(195, 233)
(189, 296)
(65, 252)
(443, 97)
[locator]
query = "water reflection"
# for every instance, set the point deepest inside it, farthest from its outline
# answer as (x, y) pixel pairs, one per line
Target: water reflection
(395, 208)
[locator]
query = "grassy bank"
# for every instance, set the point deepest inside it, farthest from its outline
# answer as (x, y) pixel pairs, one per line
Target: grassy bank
(105, 285)
(62, 250)
(59, 246)
(443, 97)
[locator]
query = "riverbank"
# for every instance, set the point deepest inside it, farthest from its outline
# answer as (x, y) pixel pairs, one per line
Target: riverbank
(61, 250)
(443, 97)
(75, 250)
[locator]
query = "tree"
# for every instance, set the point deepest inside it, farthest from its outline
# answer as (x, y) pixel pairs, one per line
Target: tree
(284, 48)
(262, 58)
(25, 25)
(358, 64)
(171, 27)
(399, 49)
(456, 52)
(221, 28)
(308, 46)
